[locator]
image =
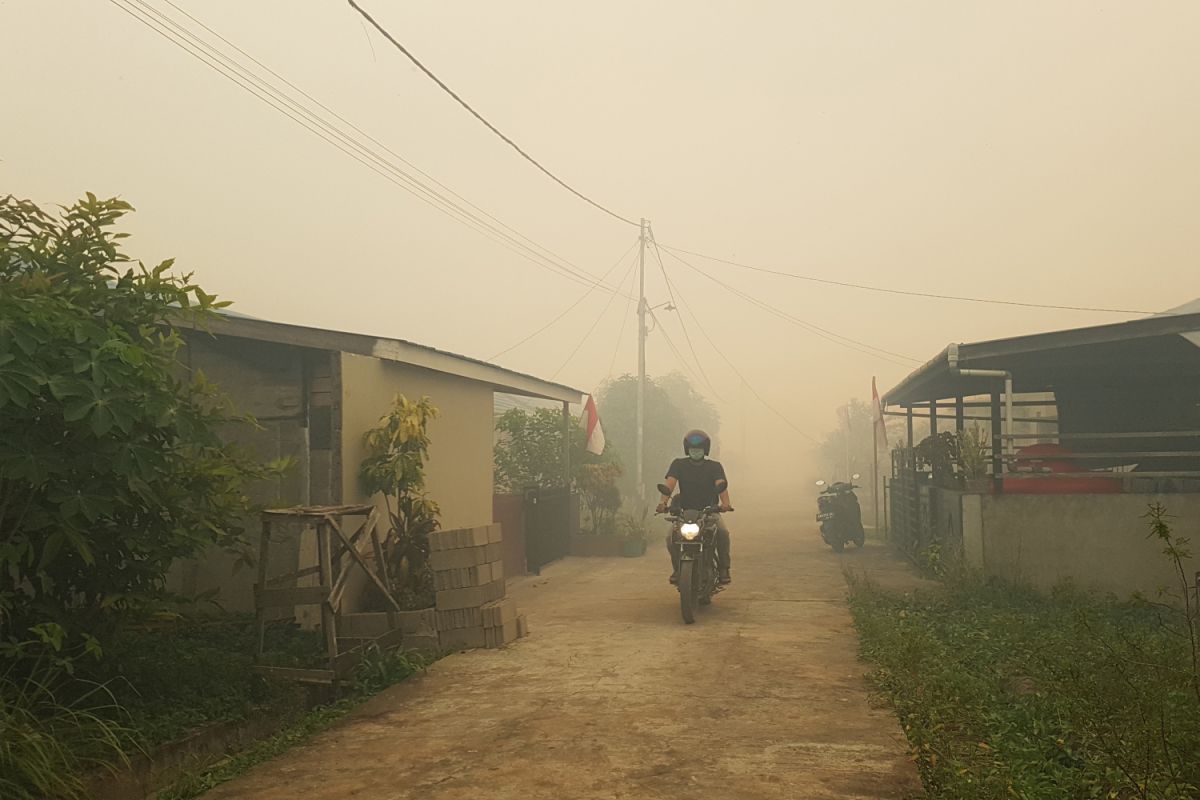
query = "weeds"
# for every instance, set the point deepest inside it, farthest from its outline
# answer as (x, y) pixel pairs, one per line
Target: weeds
(1007, 693)
(53, 728)
(378, 670)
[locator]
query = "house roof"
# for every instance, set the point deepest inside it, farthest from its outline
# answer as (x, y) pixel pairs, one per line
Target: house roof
(1159, 347)
(398, 350)
(506, 402)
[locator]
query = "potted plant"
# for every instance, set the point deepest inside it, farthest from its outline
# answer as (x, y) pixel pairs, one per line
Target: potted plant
(971, 457)
(601, 500)
(634, 531)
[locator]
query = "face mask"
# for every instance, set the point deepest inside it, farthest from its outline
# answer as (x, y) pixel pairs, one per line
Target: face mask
(696, 453)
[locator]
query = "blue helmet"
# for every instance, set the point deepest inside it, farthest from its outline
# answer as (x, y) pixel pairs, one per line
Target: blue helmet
(696, 438)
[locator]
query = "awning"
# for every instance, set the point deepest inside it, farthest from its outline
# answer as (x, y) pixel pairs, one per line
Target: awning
(1144, 351)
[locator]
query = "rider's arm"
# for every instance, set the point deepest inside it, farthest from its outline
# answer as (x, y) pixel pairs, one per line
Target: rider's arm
(723, 486)
(671, 483)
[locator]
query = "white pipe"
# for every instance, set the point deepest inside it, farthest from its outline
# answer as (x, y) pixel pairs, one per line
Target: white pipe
(952, 358)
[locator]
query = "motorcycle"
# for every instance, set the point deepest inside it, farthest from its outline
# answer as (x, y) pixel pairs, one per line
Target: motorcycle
(694, 534)
(839, 514)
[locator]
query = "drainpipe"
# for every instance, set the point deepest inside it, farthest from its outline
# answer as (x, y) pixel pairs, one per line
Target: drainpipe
(952, 357)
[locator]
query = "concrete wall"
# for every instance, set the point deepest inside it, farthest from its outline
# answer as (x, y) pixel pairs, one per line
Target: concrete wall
(314, 407)
(459, 470)
(267, 381)
(1096, 541)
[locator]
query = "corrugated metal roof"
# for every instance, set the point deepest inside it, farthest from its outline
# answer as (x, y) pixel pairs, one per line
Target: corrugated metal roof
(399, 350)
(1158, 346)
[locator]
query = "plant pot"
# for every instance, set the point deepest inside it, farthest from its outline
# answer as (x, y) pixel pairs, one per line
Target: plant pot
(633, 548)
(979, 486)
(592, 545)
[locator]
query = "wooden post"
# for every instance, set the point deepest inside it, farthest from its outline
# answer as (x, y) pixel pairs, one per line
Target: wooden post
(960, 414)
(910, 426)
(933, 418)
(875, 469)
(566, 412)
(886, 531)
(997, 445)
(381, 567)
(260, 610)
(325, 561)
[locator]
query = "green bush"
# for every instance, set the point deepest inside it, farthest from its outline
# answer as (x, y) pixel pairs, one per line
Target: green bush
(395, 468)
(111, 466)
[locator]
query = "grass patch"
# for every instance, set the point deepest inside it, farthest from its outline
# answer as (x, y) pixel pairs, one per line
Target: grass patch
(177, 677)
(378, 670)
(1006, 693)
(65, 716)
(49, 738)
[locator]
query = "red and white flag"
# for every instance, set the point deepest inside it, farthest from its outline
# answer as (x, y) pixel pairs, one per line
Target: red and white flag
(877, 414)
(591, 424)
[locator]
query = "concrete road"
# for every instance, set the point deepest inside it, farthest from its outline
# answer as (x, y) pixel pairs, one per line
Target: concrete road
(612, 696)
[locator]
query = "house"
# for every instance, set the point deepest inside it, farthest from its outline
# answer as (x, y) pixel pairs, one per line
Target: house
(1066, 497)
(315, 392)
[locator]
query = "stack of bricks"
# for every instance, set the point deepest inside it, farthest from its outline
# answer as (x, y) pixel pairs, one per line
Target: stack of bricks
(468, 577)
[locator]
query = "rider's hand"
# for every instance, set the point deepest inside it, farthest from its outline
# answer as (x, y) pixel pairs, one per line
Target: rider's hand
(726, 507)
(662, 508)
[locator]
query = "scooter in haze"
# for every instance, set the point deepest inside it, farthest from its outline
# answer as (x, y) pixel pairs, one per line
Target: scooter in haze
(839, 514)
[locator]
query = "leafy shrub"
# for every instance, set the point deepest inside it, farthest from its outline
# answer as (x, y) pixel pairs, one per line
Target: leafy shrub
(110, 463)
(395, 467)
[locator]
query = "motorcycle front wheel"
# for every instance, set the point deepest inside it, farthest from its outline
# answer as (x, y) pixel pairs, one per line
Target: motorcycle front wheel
(707, 584)
(687, 591)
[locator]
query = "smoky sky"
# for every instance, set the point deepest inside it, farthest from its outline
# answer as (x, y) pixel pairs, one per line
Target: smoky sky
(1031, 151)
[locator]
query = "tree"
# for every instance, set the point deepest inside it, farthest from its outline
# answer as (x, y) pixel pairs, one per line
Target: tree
(598, 487)
(111, 466)
(833, 447)
(666, 423)
(395, 467)
(529, 450)
(695, 408)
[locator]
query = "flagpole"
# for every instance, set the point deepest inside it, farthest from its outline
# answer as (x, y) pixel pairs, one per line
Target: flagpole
(875, 474)
(641, 385)
(876, 414)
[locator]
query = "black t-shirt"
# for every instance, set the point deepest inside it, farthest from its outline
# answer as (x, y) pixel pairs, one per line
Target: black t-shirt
(697, 482)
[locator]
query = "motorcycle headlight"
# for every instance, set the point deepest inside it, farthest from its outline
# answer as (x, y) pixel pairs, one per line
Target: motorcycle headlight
(689, 530)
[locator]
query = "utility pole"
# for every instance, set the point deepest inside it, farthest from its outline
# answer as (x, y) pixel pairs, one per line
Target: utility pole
(641, 389)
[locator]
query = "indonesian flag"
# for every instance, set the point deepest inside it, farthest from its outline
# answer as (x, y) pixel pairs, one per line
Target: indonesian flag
(591, 424)
(877, 414)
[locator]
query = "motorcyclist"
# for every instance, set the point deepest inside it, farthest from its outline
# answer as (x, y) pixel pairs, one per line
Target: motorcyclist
(702, 483)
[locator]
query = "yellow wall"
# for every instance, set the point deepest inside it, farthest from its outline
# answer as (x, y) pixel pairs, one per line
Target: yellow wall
(459, 470)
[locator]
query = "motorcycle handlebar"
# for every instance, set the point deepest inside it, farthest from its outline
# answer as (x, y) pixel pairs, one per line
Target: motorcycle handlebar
(709, 510)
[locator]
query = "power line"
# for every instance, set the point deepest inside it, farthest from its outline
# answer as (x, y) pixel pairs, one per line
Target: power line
(586, 335)
(621, 333)
(569, 308)
(682, 324)
(787, 420)
(824, 333)
(700, 326)
(671, 344)
(304, 116)
(369, 137)
(905, 292)
(481, 118)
